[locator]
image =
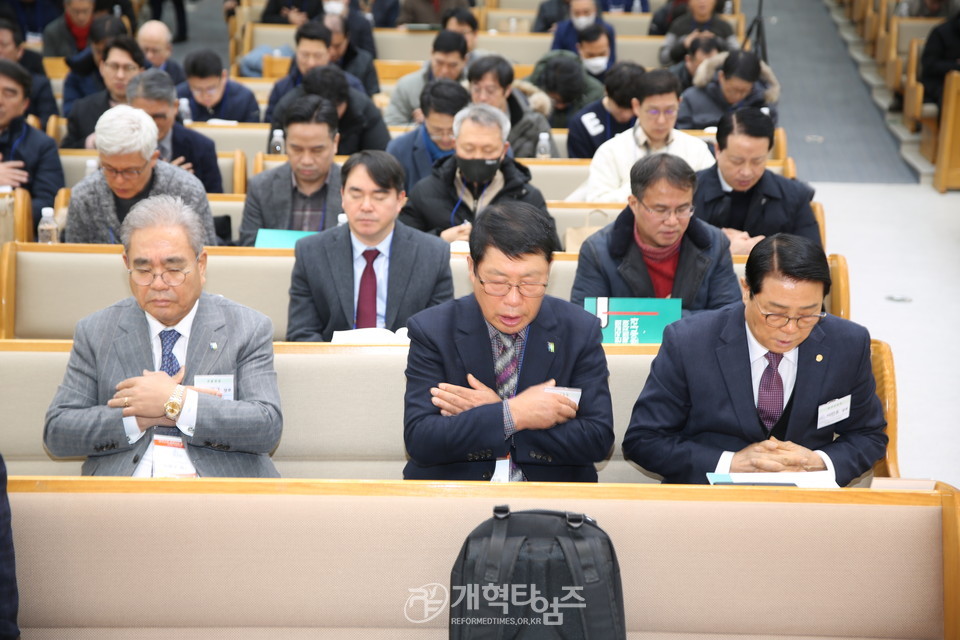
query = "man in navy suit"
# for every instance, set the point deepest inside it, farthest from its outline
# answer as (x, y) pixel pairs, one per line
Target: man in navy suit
(484, 370)
(154, 92)
(9, 600)
(770, 384)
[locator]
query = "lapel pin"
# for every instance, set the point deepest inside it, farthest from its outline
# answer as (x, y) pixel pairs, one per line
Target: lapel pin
(819, 357)
(550, 347)
(213, 346)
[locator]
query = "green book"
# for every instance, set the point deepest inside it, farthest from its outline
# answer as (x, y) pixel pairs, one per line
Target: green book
(633, 320)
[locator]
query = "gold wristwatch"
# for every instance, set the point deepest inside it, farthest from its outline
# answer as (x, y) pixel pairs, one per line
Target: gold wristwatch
(174, 403)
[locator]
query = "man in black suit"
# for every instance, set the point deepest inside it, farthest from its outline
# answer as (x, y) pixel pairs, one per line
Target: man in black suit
(741, 196)
(9, 600)
(122, 60)
(154, 92)
(372, 271)
(42, 103)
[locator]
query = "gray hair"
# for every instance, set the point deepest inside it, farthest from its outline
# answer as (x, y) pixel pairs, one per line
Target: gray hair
(335, 23)
(164, 211)
(661, 166)
(483, 115)
(124, 129)
(152, 84)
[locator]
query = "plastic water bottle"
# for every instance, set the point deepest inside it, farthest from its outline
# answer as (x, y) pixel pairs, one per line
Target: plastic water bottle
(186, 116)
(543, 145)
(90, 168)
(728, 7)
(276, 142)
(341, 219)
(48, 232)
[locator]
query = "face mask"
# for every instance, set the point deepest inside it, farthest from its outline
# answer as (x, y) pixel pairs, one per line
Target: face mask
(582, 22)
(596, 66)
(333, 8)
(479, 170)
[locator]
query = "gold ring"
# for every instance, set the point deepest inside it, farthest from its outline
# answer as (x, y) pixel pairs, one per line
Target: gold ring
(126, 402)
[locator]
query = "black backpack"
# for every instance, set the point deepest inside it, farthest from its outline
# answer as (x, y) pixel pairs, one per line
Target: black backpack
(537, 575)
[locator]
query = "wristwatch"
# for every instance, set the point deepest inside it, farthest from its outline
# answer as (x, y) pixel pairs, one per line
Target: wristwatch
(174, 403)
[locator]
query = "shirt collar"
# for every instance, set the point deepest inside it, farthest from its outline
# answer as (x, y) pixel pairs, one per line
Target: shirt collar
(296, 187)
(383, 247)
(640, 136)
(723, 183)
(183, 327)
(493, 332)
(758, 351)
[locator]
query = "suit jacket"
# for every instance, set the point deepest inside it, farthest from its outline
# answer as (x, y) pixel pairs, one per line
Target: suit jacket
(778, 205)
(698, 399)
(238, 103)
(412, 153)
(321, 287)
(83, 119)
(201, 151)
(450, 341)
(611, 264)
(9, 597)
(270, 200)
(232, 438)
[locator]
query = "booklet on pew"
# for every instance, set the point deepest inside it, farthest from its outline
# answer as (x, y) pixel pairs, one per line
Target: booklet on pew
(804, 479)
(279, 238)
(633, 320)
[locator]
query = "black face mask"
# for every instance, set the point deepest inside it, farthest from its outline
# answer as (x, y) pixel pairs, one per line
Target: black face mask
(478, 171)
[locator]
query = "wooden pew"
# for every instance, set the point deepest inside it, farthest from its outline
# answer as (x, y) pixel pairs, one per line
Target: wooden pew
(332, 560)
(894, 57)
(329, 434)
(16, 216)
(947, 171)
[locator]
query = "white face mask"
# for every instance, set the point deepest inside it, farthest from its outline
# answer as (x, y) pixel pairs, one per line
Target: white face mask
(333, 8)
(596, 66)
(582, 22)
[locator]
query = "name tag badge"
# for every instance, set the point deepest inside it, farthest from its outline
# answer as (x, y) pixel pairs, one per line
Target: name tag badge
(501, 473)
(833, 412)
(222, 383)
(170, 459)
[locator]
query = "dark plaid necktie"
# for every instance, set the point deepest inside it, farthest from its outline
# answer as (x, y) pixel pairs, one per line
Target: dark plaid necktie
(770, 395)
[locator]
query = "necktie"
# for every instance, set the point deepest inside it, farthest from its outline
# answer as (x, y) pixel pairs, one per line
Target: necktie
(505, 367)
(770, 395)
(507, 370)
(168, 361)
(367, 297)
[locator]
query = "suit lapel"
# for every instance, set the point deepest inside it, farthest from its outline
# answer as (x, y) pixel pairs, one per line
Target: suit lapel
(340, 266)
(691, 269)
(634, 272)
(473, 343)
(132, 347)
(757, 202)
(208, 330)
(811, 373)
(734, 361)
(403, 257)
(282, 186)
(543, 348)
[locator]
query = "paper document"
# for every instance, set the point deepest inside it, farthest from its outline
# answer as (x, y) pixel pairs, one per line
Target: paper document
(805, 479)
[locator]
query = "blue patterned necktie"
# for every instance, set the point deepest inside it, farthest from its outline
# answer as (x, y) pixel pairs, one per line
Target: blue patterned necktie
(168, 361)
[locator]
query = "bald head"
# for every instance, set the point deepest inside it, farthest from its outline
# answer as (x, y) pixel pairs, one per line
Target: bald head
(155, 40)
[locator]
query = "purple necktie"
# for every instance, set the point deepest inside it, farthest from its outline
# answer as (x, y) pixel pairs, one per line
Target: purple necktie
(367, 297)
(770, 396)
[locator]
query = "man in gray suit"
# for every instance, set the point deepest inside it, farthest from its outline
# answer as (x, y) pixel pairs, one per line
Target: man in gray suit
(373, 271)
(304, 193)
(173, 381)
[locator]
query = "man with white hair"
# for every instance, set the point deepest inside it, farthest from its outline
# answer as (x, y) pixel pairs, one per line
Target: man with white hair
(478, 174)
(129, 172)
(156, 42)
(171, 382)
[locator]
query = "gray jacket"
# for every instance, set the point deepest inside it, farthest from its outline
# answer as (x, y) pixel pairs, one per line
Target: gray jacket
(92, 216)
(270, 200)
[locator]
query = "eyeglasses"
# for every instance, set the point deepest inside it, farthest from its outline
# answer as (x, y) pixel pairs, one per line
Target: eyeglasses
(115, 67)
(128, 174)
(778, 320)
(682, 212)
(656, 113)
(205, 91)
(170, 277)
(526, 289)
(440, 136)
(488, 91)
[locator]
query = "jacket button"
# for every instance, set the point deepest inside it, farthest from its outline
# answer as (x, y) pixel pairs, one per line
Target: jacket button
(136, 458)
(486, 475)
(549, 458)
